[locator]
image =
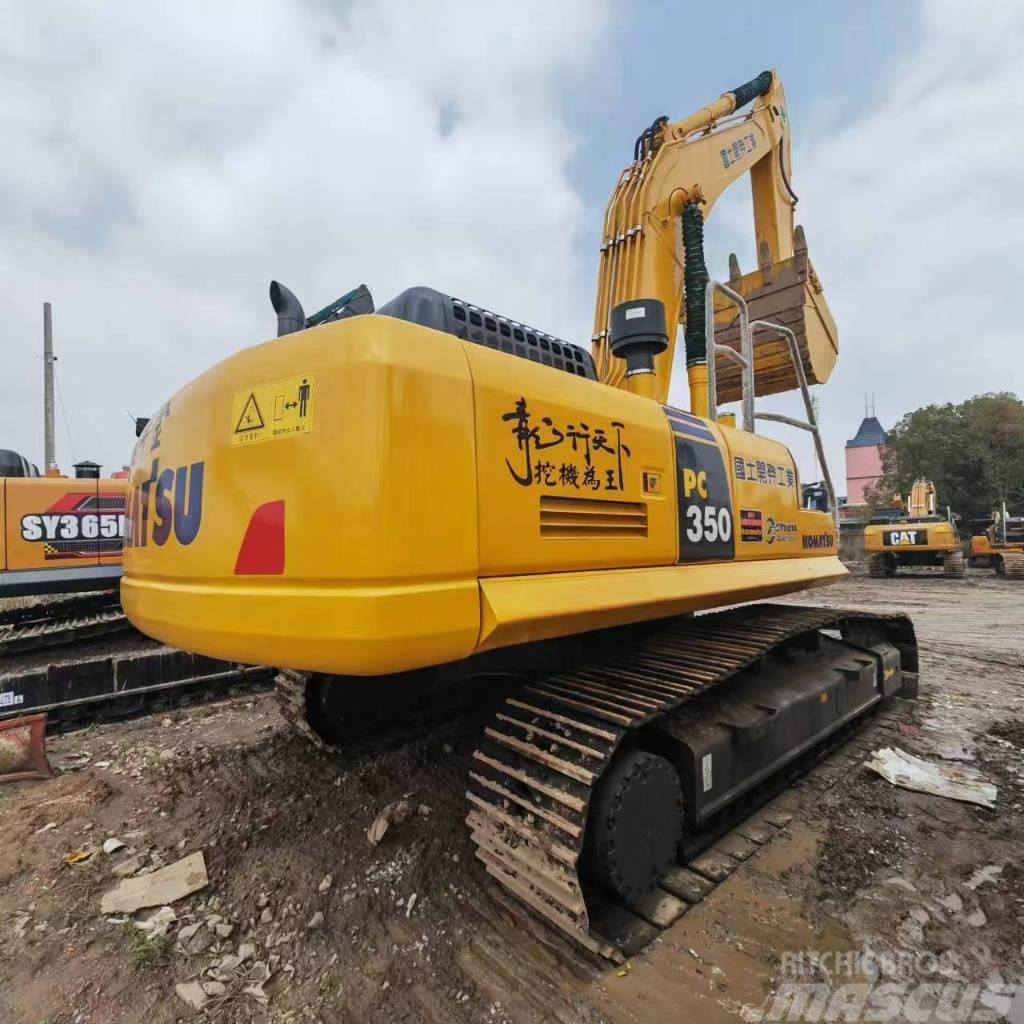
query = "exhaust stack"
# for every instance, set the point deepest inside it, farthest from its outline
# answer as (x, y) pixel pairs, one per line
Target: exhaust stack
(290, 315)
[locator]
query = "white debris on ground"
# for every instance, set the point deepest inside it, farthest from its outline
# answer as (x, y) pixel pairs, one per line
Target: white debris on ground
(955, 781)
(167, 885)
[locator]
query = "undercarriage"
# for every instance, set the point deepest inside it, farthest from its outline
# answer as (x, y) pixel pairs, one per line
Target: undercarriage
(594, 785)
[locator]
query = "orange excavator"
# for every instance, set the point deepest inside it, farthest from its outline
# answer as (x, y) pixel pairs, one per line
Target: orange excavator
(1000, 545)
(59, 535)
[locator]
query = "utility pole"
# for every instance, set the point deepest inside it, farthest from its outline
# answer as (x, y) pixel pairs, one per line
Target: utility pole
(49, 454)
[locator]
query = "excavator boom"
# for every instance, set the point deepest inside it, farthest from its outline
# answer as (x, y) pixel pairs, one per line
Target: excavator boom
(652, 246)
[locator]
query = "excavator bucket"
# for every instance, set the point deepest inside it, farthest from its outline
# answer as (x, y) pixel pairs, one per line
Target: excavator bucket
(787, 293)
(23, 749)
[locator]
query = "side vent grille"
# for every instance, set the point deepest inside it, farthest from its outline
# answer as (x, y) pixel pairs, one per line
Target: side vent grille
(591, 517)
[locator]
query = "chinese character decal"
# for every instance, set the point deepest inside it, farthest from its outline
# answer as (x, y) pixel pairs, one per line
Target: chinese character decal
(592, 457)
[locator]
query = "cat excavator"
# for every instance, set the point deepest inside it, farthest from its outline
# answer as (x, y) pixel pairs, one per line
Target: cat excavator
(411, 506)
(921, 538)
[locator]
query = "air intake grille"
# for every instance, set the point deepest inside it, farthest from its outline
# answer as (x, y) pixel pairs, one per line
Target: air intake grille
(486, 328)
(591, 517)
(471, 323)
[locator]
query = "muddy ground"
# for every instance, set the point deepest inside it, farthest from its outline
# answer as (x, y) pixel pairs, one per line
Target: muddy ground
(412, 930)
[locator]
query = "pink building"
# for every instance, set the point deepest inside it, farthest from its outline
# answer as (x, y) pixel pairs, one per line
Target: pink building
(864, 459)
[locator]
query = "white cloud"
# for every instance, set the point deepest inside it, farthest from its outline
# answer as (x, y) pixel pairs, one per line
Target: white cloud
(160, 169)
(915, 222)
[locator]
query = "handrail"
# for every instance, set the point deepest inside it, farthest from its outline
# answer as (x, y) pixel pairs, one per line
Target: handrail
(745, 357)
(811, 423)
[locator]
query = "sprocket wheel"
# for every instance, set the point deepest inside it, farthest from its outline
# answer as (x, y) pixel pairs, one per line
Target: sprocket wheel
(635, 824)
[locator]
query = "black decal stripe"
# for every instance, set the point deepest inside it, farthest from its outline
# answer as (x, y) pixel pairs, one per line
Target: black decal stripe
(694, 427)
(683, 415)
(697, 440)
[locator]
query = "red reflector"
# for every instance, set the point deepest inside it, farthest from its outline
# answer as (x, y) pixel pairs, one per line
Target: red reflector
(262, 550)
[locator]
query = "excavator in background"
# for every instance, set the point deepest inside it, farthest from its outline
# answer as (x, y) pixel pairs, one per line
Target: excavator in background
(416, 509)
(921, 538)
(59, 535)
(1000, 545)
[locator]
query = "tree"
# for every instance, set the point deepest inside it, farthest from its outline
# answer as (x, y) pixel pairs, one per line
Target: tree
(973, 452)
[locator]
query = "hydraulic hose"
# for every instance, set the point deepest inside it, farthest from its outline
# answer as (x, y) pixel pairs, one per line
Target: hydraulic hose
(695, 279)
(751, 90)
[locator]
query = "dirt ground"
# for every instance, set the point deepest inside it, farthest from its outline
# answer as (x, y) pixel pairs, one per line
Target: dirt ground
(304, 920)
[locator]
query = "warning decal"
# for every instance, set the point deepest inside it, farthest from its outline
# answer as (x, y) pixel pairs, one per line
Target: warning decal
(283, 408)
(251, 418)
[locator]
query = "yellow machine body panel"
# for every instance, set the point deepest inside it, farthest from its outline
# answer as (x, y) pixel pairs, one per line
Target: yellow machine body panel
(912, 536)
(385, 496)
(60, 534)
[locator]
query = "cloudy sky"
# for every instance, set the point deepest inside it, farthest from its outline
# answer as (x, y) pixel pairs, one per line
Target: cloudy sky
(159, 169)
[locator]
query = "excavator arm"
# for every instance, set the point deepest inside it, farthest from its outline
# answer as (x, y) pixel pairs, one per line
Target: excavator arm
(652, 244)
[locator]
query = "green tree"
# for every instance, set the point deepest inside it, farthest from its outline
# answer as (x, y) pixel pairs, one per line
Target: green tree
(973, 452)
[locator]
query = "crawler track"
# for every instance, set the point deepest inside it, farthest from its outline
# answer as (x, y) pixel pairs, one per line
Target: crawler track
(60, 623)
(79, 693)
(1013, 565)
(542, 758)
(954, 565)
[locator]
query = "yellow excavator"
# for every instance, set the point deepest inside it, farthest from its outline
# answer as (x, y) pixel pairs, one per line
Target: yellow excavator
(415, 507)
(1000, 545)
(921, 538)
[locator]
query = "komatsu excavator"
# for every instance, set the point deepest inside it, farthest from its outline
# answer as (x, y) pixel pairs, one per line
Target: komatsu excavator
(399, 506)
(922, 537)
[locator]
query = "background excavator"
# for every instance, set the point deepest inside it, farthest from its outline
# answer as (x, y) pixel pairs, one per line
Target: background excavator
(1000, 545)
(59, 535)
(416, 508)
(922, 537)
